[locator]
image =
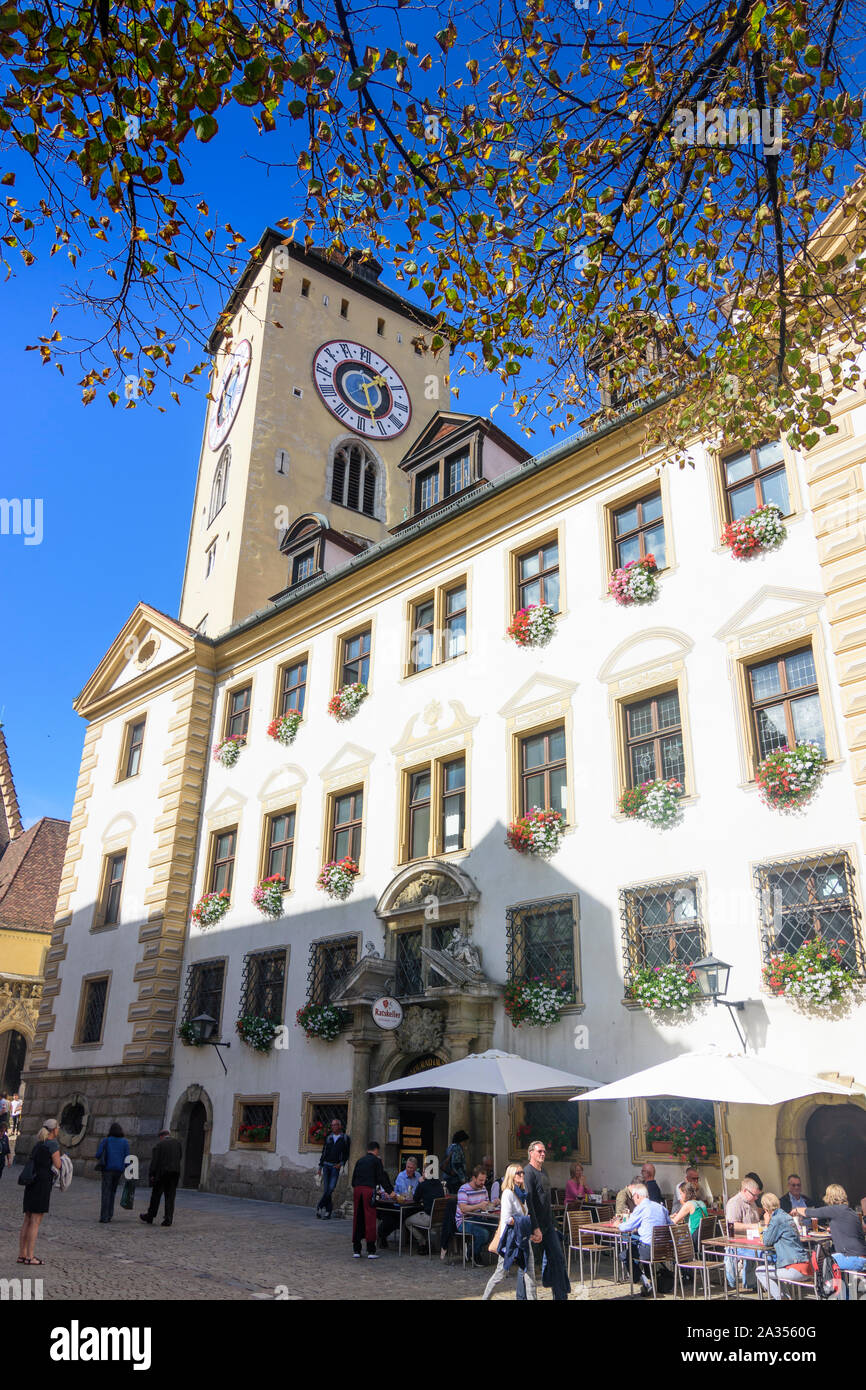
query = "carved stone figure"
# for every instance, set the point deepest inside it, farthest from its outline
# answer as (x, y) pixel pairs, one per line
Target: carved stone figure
(424, 886)
(462, 949)
(421, 1030)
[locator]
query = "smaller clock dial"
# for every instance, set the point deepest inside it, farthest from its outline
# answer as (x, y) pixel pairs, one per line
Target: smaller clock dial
(229, 393)
(363, 390)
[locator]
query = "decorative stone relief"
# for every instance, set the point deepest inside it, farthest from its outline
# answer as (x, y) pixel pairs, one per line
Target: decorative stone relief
(421, 1030)
(426, 885)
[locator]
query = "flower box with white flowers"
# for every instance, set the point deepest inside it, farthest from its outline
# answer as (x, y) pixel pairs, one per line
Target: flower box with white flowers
(228, 750)
(762, 529)
(284, 728)
(533, 626)
(665, 988)
(258, 1033)
(537, 1003)
(210, 909)
(814, 976)
(538, 832)
(348, 700)
(337, 878)
(635, 582)
(657, 803)
(789, 777)
(268, 895)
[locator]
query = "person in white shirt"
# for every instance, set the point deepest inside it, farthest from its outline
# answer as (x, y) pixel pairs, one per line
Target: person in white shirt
(513, 1206)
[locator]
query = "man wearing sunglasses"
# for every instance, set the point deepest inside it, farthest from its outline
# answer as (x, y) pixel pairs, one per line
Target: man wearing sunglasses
(544, 1229)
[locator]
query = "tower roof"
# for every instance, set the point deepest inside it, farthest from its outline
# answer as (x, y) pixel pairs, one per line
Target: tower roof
(354, 269)
(10, 813)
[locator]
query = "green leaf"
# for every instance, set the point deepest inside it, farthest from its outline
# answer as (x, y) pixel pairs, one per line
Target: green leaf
(205, 128)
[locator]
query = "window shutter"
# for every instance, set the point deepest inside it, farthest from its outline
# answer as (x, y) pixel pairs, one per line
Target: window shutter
(369, 489)
(338, 482)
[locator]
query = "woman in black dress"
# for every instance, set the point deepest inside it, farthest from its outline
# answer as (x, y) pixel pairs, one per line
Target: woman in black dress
(37, 1196)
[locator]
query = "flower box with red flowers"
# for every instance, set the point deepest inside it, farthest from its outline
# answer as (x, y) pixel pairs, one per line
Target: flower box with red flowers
(284, 728)
(789, 777)
(815, 975)
(210, 908)
(268, 895)
(532, 626)
(337, 878)
(538, 832)
(635, 582)
(762, 529)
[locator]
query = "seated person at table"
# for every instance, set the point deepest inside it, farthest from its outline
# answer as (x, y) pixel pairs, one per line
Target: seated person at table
(576, 1189)
(624, 1204)
(780, 1234)
(795, 1196)
(741, 1212)
(648, 1178)
(405, 1186)
(640, 1223)
(491, 1182)
(693, 1208)
(693, 1176)
(753, 1177)
(472, 1197)
(426, 1193)
(849, 1243)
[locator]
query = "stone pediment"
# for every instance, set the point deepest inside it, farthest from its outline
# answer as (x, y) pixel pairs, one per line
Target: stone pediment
(540, 692)
(368, 980)
(349, 761)
(429, 727)
(149, 641)
(772, 609)
(652, 648)
(423, 883)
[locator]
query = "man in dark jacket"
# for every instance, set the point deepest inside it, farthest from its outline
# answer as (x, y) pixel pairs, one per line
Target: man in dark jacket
(335, 1152)
(367, 1175)
(164, 1177)
(795, 1196)
(544, 1230)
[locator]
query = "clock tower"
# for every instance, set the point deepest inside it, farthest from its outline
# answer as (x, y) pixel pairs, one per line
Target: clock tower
(322, 379)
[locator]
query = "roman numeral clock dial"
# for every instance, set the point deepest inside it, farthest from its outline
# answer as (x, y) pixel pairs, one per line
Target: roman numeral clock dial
(362, 390)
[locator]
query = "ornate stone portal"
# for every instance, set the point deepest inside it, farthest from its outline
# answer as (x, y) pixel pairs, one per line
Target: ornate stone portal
(450, 1017)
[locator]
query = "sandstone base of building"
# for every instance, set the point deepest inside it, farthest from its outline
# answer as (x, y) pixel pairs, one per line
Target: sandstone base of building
(134, 1097)
(296, 1186)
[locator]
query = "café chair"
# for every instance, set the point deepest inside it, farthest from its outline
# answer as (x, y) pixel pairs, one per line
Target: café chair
(661, 1252)
(686, 1259)
(706, 1230)
(437, 1216)
(582, 1220)
(603, 1211)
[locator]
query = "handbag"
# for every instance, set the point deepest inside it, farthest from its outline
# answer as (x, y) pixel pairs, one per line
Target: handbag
(127, 1196)
(27, 1176)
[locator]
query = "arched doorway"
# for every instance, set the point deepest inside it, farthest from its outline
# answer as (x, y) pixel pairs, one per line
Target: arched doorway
(193, 1149)
(192, 1122)
(13, 1053)
(422, 1117)
(836, 1146)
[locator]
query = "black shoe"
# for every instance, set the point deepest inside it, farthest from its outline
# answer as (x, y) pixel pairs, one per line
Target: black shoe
(165, 1223)
(144, 1217)
(318, 1213)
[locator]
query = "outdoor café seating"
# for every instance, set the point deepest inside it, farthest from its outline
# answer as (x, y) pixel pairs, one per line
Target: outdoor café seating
(686, 1260)
(661, 1252)
(581, 1221)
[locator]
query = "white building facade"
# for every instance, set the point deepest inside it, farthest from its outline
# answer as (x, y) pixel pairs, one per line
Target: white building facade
(462, 731)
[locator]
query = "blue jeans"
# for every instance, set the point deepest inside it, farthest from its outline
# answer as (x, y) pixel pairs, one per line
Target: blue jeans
(330, 1174)
(747, 1273)
(480, 1235)
(110, 1183)
(550, 1248)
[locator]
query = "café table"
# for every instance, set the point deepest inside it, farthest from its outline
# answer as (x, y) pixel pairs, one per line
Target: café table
(719, 1246)
(612, 1231)
(401, 1210)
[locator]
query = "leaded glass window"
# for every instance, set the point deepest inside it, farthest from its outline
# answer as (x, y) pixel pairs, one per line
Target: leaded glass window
(540, 943)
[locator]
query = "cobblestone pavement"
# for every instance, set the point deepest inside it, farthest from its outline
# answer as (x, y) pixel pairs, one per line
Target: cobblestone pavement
(220, 1248)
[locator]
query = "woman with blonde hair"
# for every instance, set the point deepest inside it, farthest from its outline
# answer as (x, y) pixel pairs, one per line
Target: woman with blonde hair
(576, 1189)
(849, 1243)
(781, 1235)
(516, 1224)
(44, 1158)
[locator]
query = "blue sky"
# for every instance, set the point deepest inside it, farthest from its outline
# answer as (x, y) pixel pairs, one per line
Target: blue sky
(116, 488)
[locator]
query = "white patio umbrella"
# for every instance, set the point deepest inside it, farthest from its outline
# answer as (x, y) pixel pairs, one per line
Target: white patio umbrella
(493, 1073)
(719, 1077)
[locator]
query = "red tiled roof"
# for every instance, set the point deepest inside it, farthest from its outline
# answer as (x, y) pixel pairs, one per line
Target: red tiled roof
(30, 872)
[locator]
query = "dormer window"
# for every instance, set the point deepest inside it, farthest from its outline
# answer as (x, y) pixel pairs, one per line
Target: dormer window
(457, 473)
(446, 478)
(454, 455)
(428, 489)
(303, 566)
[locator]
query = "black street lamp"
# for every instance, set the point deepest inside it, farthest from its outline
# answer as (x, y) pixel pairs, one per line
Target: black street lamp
(203, 1029)
(712, 976)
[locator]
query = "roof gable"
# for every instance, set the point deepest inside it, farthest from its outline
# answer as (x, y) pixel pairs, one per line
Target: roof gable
(148, 641)
(30, 876)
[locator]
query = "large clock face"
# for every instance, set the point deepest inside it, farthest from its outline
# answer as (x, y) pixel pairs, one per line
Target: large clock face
(362, 389)
(229, 393)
